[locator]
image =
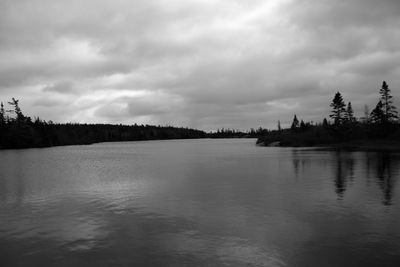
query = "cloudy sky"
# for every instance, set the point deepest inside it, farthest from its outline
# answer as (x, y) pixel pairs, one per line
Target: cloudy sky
(199, 63)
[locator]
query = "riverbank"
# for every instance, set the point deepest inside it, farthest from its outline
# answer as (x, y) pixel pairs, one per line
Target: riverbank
(28, 134)
(354, 145)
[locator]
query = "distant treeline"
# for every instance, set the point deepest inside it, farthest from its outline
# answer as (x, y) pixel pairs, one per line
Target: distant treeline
(231, 133)
(20, 131)
(382, 123)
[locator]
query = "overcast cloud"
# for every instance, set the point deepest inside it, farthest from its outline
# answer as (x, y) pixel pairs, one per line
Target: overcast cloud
(197, 63)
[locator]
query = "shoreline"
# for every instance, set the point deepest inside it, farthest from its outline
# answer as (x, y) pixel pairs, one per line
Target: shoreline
(359, 145)
(116, 141)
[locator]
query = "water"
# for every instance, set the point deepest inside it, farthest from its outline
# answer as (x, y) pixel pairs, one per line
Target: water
(198, 203)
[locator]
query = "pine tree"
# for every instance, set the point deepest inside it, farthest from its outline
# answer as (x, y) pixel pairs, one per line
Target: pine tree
(349, 116)
(378, 114)
(325, 123)
(389, 111)
(338, 110)
(302, 125)
(17, 109)
(295, 123)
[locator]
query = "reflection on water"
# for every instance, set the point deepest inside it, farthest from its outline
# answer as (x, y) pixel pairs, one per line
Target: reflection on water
(198, 203)
(344, 171)
(383, 167)
(386, 169)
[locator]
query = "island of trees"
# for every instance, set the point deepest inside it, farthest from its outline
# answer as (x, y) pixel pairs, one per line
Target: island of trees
(378, 128)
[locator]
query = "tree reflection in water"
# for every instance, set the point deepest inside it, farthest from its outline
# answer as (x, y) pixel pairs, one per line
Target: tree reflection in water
(386, 166)
(381, 167)
(344, 171)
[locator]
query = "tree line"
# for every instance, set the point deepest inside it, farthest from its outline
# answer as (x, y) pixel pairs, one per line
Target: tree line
(384, 113)
(20, 131)
(382, 123)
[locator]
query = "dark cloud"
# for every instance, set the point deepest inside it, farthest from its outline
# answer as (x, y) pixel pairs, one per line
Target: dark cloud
(51, 102)
(326, 14)
(205, 64)
(62, 87)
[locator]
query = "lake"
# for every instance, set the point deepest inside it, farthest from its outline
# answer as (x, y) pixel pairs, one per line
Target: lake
(199, 202)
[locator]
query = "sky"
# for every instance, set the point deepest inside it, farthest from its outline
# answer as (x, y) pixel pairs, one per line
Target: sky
(196, 63)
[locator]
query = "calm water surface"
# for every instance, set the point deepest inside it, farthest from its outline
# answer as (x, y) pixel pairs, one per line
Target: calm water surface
(198, 203)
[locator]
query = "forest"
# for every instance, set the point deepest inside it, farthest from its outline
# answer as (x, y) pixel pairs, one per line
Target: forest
(378, 127)
(20, 131)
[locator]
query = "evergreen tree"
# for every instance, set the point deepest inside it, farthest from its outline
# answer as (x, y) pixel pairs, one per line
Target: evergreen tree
(349, 116)
(302, 125)
(389, 111)
(295, 123)
(17, 109)
(279, 126)
(378, 114)
(2, 114)
(338, 109)
(325, 123)
(252, 132)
